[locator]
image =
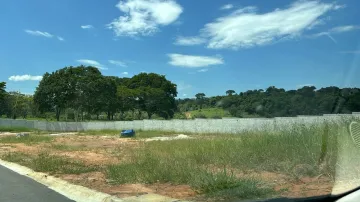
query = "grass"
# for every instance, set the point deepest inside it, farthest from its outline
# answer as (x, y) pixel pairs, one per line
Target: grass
(64, 147)
(153, 133)
(14, 129)
(210, 113)
(101, 132)
(139, 134)
(52, 164)
(31, 139)
(209, 165)
(214, 165)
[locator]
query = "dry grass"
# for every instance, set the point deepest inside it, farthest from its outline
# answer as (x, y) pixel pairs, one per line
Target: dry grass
(241, 166)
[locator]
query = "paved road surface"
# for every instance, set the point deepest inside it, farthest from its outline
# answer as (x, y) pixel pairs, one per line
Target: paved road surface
(18, 188)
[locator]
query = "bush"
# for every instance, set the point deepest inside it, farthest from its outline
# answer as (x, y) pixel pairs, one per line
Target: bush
(179, 116)
(216, 117)
(200, 116)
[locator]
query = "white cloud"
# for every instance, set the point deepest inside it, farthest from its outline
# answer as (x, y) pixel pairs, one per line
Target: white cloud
(346, 28)
(125, 73)
(87, 26)
(203, 70)
(189, 41)
(92, 63)
(43, 34)
(117, 63)
(39, 33)
(143, 17)
(184, 95)
(227, 7)
(335, 30)
(246, 27)
(194, 61)
(25, 77)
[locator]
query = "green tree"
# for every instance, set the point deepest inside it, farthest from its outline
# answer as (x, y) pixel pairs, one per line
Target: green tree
(152, 89)
(230, 92)
(69, 87)
(2, 90)
(200, 96)
(18, 105)
(2, 98)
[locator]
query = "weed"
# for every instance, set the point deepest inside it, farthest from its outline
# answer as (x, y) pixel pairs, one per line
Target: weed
(64, 147)
(52, 164)
(100, 132)
(14, 129)
(209, 164)
(16, 157)
(31, 139)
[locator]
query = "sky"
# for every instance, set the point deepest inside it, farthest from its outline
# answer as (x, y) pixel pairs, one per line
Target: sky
(202, 46)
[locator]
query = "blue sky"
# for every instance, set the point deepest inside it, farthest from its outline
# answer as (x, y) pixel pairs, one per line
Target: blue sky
(202, 46)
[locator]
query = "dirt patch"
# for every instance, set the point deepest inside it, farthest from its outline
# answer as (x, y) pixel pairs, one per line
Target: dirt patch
(97, 181)
(8, 133)
(89, 158)
(92, 142)
(20, 147)
(307, 187)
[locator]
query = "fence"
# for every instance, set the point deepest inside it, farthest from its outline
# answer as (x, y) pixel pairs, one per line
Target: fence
(192, 126)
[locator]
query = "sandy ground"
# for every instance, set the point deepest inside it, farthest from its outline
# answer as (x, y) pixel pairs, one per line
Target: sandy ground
(106, 150)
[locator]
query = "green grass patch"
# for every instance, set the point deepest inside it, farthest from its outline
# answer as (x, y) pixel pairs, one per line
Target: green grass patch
(209, 113)
(14, 129)
(52, 164)
(31, 139)
(101, 132)
(153, 133)
(16, 157)
(209, 163)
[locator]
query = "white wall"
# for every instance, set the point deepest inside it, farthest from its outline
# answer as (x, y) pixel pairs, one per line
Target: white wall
(235, 125)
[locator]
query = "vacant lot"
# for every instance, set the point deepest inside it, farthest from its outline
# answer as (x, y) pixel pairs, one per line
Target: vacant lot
(296, 163)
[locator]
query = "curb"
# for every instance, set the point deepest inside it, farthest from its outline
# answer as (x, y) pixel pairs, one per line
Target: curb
(77, 192)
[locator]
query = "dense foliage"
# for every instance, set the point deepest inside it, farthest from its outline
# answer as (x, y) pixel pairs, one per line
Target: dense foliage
(277, 102)
(83, 93)
(80, 92)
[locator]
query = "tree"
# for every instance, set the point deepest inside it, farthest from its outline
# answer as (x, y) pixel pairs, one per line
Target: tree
(230, 92)
(2, 90)
(2, 97)
(200, 96)
(154, 94)
(69, 87)
(127, 99)
(18, 105)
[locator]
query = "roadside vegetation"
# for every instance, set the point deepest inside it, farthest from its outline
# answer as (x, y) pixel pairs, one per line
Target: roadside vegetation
(31, 139)
(217, 167)
(44, 162)
(14, 129)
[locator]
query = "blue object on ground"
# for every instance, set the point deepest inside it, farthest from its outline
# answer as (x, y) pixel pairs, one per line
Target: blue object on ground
(128, 133)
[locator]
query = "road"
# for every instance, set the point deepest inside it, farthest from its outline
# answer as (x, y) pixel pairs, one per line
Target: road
(18, 188)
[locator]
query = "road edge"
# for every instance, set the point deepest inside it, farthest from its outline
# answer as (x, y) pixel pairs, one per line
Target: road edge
(76, 192)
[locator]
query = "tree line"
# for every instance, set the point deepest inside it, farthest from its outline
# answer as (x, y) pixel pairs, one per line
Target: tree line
(83, 93)
(277, 102)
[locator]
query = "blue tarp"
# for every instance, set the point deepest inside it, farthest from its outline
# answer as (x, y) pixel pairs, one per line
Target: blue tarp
(128, 133)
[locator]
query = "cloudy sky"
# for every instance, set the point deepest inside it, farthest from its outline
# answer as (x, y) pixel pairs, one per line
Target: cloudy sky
(203, 46)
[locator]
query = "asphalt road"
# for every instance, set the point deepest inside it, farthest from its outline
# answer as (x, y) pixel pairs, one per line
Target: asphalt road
(18, 188)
